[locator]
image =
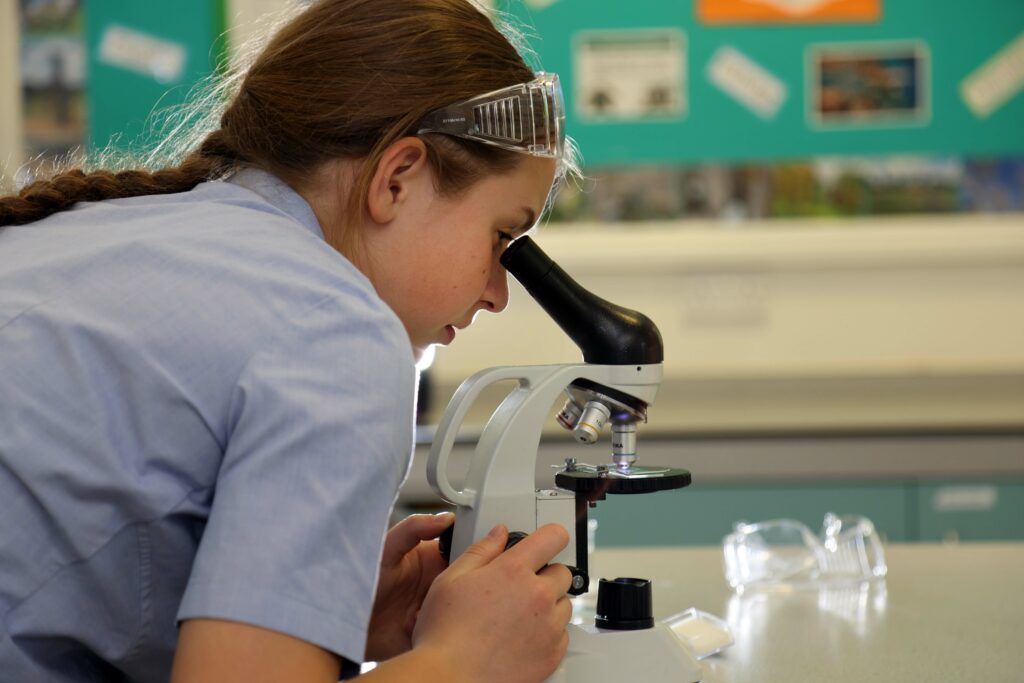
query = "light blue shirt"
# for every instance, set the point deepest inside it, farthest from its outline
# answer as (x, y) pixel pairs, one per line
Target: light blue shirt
(205, 411)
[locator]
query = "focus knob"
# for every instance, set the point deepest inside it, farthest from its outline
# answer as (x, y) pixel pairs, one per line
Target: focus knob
(624, 605)
(444, 543)
(513, 538)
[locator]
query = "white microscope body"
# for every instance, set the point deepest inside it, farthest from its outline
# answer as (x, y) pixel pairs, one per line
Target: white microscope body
(499, 486)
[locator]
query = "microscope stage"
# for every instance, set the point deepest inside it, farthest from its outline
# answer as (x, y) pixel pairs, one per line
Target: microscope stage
(612, 480)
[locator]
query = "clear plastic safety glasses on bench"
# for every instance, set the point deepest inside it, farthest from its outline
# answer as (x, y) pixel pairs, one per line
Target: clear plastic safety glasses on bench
(785, 554)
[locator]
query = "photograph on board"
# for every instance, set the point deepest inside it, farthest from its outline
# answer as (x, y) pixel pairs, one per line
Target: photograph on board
(868, 84)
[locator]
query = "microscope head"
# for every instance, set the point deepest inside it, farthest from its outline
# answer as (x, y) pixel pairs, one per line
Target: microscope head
(607, 334)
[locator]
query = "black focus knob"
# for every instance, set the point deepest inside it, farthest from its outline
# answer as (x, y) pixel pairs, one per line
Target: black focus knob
(513, 538)
(444, 543)
(624, 604)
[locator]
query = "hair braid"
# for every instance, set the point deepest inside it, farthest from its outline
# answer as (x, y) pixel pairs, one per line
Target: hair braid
(42, 198)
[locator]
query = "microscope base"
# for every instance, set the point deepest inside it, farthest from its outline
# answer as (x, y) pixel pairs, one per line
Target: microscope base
(651, 655)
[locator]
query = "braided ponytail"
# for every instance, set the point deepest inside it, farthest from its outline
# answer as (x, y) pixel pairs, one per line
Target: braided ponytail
(42, 198)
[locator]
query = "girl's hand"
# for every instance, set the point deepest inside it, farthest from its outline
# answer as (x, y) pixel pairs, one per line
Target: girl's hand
(499, 616)
(410, 563)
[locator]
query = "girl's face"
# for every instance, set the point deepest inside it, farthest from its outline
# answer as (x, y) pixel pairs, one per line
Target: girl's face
(434, 259)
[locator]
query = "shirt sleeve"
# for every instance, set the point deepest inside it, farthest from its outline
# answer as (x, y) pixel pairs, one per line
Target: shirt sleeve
(320, 438)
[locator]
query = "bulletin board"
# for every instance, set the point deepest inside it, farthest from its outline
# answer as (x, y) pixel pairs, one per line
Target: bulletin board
(650, 81)
(145, 55)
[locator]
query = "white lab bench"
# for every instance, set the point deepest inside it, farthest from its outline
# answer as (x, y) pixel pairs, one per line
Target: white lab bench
(944, 613)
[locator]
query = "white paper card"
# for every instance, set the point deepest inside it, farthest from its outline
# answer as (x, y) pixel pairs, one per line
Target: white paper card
(747, 82)
(996, 81)
(142, 53)
(976, 498)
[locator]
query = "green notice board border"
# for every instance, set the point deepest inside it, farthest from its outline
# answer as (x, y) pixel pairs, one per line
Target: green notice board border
(954, 40)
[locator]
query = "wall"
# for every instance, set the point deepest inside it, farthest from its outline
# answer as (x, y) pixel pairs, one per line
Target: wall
(748, 90)
(11, 152)
(880, 324)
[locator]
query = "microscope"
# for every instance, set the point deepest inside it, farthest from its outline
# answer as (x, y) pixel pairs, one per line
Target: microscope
(612, 387)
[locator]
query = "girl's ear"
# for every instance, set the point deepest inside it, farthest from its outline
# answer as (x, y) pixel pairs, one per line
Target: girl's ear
(401, 168)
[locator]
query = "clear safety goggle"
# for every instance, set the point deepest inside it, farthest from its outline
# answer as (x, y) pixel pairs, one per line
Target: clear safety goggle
(527, 118)
(786, 553)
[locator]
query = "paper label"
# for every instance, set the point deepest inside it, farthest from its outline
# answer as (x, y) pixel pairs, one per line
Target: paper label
(142, 53)
(996, 81)
(965, 498)
(747, 82)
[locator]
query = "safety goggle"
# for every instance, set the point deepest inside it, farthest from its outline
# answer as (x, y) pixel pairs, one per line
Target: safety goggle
(786, 553)
(527, 118)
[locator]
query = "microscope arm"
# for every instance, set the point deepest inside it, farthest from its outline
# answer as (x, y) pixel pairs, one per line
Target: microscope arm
(500, 485)
(448, 428)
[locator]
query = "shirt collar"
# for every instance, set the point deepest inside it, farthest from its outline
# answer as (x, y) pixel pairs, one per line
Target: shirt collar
(279, 194)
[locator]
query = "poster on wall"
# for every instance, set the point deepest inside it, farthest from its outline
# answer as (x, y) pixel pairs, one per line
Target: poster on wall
(788, 11)
(630, 75)
(868, 84)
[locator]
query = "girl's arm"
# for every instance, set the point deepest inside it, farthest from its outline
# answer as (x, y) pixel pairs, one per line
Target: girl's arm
(225, 651)
(492, 616)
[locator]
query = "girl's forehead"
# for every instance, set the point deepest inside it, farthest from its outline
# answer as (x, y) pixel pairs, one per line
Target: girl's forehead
(527, 185)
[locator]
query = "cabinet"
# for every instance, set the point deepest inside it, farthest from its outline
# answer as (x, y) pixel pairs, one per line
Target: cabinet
(914, 487)
(902, 511)
(972, 510)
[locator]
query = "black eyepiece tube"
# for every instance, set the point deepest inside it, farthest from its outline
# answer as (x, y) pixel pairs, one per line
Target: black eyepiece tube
(607, 334)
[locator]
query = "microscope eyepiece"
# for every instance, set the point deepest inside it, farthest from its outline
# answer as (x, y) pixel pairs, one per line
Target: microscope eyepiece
(606, 333)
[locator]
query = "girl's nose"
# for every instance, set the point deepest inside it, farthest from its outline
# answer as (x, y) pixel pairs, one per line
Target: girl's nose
(496, 294)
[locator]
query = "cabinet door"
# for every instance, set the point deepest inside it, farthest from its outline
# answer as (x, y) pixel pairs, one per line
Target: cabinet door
(980, 510)
(702, 515)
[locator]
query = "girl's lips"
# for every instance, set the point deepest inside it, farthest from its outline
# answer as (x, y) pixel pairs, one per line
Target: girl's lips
(449, 333)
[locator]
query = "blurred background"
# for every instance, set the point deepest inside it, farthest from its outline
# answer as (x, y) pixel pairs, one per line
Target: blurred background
(819, 202)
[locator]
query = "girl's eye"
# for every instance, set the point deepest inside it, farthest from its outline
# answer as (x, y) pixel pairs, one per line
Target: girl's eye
(504, 238)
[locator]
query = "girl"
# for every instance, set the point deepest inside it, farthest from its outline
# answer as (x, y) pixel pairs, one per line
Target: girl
(208, 372)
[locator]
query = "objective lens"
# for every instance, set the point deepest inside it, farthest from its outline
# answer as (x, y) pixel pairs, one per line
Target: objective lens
(589, 426)
(624, 445)
(569, 415)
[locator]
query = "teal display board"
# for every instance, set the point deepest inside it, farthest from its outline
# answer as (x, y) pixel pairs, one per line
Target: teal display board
(144, 55)
(647, 81)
